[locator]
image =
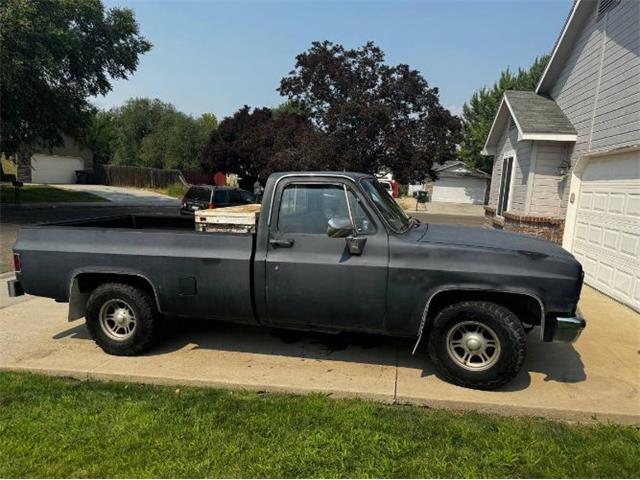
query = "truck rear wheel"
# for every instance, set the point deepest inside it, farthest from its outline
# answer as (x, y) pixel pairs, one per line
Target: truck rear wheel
(122, 319)
(478, 345)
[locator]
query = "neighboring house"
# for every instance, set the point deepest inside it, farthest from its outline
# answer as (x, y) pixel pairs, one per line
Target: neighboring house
(458, 183)
(57, 165)
(567, 156)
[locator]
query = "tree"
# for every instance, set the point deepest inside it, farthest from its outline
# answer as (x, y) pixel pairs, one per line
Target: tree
(478, 114)
(151, 133)
(255, 143)
(55, 54)
(377, 116)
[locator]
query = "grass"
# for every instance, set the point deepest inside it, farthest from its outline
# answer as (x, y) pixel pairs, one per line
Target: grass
(55, 427)
(46, 194)
(176, 190)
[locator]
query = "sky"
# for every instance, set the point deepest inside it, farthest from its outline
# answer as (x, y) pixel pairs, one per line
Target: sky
(216, 56)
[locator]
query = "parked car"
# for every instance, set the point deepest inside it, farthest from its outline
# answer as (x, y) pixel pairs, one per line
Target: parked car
(330, 252)
(200, 197)
(391, 186)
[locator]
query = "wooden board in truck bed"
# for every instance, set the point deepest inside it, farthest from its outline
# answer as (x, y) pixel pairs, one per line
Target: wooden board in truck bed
(240, 219)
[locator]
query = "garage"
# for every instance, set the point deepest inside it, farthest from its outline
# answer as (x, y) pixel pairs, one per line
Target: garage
(55, 168)
(606, 234)
(459, 190)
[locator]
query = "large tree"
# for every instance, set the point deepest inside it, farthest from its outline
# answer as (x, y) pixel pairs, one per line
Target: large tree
(478, 114)
(377, 116)
(55, 55)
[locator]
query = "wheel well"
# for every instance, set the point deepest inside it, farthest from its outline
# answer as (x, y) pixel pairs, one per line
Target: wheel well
(525, 307)
(87, 282)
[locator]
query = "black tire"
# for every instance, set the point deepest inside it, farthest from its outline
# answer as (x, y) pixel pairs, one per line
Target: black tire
(147, 319)
(506, 361)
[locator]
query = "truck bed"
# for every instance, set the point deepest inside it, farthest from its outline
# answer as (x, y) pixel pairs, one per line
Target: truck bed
(192, 273)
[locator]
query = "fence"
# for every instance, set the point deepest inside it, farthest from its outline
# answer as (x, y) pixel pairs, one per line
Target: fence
(142, 177)
(197, 178)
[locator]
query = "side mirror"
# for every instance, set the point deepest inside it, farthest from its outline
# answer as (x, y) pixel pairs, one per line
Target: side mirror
(339, 227)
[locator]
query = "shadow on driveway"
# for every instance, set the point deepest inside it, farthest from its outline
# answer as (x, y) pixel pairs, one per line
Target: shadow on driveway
(558, 362)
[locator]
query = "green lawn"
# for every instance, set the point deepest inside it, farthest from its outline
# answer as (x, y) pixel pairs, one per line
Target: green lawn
(176, 190)
(46, 194)
(53, 427)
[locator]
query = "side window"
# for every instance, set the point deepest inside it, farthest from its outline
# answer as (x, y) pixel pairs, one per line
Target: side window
(306, 208)
(220, 196)
(362, 221)
(247, 197)
(235, 197)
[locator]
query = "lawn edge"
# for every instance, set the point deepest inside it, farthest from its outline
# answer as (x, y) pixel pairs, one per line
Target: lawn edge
(543, 413)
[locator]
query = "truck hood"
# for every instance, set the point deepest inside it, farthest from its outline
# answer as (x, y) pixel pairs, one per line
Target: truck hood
(488, 238)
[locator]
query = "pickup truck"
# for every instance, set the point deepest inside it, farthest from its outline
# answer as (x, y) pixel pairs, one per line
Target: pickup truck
(331, 252)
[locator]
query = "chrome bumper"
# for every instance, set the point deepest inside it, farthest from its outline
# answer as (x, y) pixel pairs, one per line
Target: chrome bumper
(568, 329)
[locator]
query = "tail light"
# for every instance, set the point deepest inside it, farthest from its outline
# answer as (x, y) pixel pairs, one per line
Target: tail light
(16, 262)
(211, 205)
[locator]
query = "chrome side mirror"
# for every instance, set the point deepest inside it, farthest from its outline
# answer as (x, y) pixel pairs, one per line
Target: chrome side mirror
(339, 227)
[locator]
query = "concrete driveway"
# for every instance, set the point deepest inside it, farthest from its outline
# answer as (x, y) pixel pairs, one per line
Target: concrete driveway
(597, 378)
(121, 196)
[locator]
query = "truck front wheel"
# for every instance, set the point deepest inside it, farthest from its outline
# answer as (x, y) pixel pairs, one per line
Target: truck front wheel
(122, 319)
(478, 345)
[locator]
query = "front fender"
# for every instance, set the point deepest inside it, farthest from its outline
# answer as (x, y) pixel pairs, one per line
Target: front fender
(431, 295)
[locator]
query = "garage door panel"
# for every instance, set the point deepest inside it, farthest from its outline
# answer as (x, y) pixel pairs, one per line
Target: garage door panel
(55, 169)
(459, 190)
(607, 228)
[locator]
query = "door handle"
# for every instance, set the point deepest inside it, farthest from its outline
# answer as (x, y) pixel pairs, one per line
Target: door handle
(281, 243)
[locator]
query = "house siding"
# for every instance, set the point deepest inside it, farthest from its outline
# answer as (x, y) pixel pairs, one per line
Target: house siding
(509, 143)
(547, 186)
(599, 87)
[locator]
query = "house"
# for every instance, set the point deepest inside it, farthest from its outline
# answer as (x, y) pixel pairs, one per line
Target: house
(567, 156)
(458, 183)
(56, 165)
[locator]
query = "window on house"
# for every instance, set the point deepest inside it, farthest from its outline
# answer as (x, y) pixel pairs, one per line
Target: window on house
(605, 5)
(505, 185)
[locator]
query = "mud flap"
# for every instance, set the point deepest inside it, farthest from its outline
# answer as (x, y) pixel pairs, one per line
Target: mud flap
(77, 302)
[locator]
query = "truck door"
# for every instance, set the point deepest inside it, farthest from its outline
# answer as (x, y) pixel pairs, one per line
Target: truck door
(311, 278)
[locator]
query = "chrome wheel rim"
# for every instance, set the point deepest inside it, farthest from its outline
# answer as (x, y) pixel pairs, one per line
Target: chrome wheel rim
(117, 319)
(473, 345)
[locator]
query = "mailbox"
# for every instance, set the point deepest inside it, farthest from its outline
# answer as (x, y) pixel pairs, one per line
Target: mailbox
(422, 196)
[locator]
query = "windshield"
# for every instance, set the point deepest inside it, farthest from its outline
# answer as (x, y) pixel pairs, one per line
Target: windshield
(387, 206)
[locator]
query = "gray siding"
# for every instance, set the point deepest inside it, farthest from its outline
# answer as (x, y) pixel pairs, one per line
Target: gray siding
(599, 86)
(509, 143)
(547, 186)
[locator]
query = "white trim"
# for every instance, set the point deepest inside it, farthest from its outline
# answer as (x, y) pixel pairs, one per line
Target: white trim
(549, 137)
(606, 153)
(557, 45)
(531, 177)
(513, 115)
(514, 162)
(600, 68)
(485, 150)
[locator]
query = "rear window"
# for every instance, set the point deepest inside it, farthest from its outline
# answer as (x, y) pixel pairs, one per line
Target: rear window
(199, 193)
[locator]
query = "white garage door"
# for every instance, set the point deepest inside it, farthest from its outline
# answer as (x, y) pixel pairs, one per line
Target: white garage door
(55, 169)
(459, 190)
(607, 230)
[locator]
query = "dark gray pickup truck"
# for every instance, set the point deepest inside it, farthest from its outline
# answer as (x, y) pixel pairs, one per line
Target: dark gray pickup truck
(332, 252)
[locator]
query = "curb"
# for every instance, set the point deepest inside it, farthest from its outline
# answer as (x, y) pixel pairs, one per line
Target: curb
(558, 414)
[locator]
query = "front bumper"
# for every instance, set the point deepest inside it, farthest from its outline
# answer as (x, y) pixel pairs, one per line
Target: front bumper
(568, 329)
(15, 288)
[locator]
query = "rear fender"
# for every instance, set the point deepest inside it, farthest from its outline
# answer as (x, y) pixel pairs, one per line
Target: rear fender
(78, 299)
